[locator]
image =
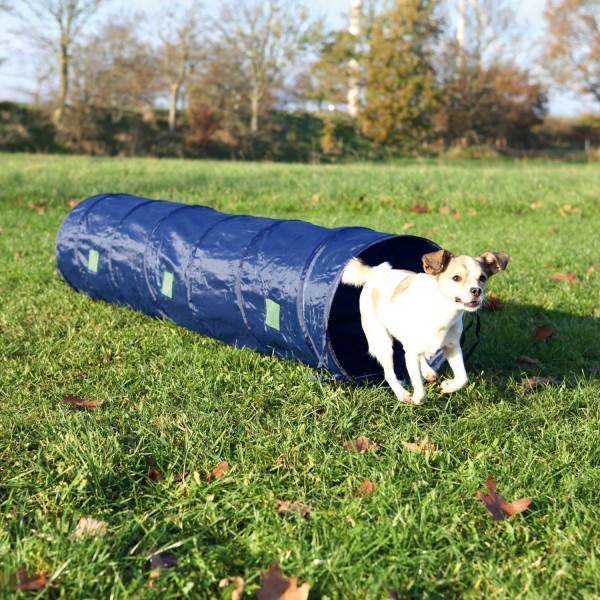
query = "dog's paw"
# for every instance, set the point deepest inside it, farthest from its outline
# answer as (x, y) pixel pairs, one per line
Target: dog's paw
(451, 385)
(430, 375)
(418, 398)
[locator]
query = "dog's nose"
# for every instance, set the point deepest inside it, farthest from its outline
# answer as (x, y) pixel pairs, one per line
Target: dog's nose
(476, 292)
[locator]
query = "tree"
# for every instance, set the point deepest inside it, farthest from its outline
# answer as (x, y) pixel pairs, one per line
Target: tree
(269, 35)
(57, 24)
(114, 68)
(179, 51)
(572, 50)
(398, 79)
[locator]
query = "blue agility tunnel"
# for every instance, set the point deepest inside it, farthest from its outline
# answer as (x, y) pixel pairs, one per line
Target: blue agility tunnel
(266, 284)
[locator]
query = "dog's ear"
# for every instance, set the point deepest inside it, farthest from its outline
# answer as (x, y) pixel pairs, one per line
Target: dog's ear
(494, 261)
(436, 262)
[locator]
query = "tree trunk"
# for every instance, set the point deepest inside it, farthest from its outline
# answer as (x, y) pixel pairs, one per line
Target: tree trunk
(63, 68)
(173, 106)
(354, 30)
(254, 119)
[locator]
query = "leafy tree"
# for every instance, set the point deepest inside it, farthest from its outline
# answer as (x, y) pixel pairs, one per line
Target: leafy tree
(400, 94)
(572, 50)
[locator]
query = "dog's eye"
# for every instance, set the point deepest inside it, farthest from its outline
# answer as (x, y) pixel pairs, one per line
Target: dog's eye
(456, 278)
(483, 279)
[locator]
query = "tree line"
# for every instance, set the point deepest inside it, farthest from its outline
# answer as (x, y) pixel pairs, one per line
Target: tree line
(419, 72)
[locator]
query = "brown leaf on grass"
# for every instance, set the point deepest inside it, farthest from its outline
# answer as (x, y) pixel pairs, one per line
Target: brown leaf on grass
(238, 590)
(553, 229)
(367, 487)
(39, 207)
(535, 205)
(531, 383)
(497, 505)
(421, 445)
(155, 474)
(523, 362)
(89, 404)
(408, 225)
(276, 587)
(360, 444)
(543, 331)
(286, 507)
(218, 471)
(20, 581)
(419, 208)
(74, 202)
(181, 476)
(88, 527)
(570, 277)
(597, 312)
(493, 302)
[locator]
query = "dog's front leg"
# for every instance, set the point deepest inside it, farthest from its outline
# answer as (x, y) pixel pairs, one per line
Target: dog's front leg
(453, 354)
(413, 366)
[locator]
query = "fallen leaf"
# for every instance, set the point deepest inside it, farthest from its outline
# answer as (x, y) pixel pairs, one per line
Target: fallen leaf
(159, 561)
(472, 212)
(40, 207)
(218, 471)
(408, 225)
(285, 507)
(88, 527)
(524, 361)
(74, 202)
(237, 591)
(181, 476)
(531, 383)
(553, 229)
(89, 404)
(419, 208)
(155, 474)
(493, 302)
(570, 277)
(543, 331)
(597, 312)
(360, 444)
(497, 505)
(367, 487)
(276, 587)
(419, 446)
(535, 205)
(20, 580)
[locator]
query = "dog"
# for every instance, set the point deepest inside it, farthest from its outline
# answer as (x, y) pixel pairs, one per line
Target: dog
(423, 311)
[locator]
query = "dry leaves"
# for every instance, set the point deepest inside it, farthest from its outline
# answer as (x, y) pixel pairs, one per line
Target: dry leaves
(524, 362)
(287, 508)
(360, 444)
(531, 383)
(20, 580)
(567, 209)
(88, 527)
(89, 404)
(420, 445)
(218, 471)
(570, 277)
(497, 505)
(235, 583)
(543, 332)
(419, 208)
(493, 302)
(276, 587)
(367, 487)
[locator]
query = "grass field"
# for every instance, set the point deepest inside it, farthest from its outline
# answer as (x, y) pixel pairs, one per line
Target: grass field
(177, 402)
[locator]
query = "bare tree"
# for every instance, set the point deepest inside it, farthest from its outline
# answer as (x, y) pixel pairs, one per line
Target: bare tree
(114, 68)
(269, 35)
(179, 33)
(56, 25)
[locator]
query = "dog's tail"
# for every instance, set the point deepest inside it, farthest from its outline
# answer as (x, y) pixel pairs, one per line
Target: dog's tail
(356, 273)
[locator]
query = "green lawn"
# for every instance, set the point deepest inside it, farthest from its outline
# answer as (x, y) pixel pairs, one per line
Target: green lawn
(177, 402)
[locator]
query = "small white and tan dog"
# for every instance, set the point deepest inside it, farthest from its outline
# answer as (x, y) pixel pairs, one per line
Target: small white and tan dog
(423, 311)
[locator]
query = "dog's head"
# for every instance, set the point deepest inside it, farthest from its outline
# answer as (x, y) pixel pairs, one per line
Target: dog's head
(462, 279)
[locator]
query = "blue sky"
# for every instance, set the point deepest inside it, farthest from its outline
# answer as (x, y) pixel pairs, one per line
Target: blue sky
(16, 73)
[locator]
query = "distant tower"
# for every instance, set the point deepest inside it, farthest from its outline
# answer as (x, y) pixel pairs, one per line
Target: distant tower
(354, 30)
